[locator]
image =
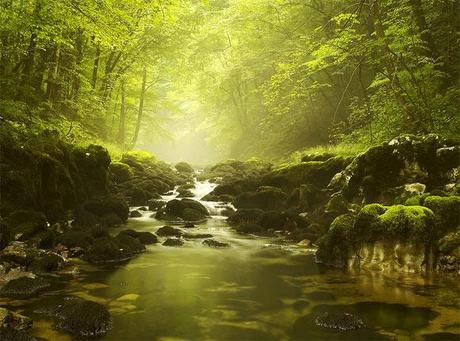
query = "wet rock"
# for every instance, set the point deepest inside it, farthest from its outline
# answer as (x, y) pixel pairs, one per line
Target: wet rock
(188, 225)
(9, 319)
(83, 318)
(185, 193)
(46, 264)
(197, 235)
(169, 231)
(339, 321)
(108, 249)
(245, 216)
(215, 244)
(135, 214)
(24, 287)
(143, 237)
(142, 208)
(174, 242)
(155, 204)
(186, 209)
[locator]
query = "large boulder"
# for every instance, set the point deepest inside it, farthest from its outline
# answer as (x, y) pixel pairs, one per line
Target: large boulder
(184, 167)
(185, 209)
(143, 236)
(108, 249)
(404, 237)
(120, 172)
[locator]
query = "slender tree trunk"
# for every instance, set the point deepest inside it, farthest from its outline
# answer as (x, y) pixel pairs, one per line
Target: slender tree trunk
(141, 108)
(122, 122)
(78, 60)
(97, 56)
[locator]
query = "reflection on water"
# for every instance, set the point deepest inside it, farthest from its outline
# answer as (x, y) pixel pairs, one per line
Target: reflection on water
(258, 289)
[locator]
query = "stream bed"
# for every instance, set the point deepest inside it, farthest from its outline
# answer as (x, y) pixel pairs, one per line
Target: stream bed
(259, 288)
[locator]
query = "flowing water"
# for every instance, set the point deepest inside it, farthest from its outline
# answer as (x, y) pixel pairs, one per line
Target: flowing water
(258, 289)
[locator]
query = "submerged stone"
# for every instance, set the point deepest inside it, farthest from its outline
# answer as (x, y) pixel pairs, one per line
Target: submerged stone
(340, 321)
(215, 244)
(174, 242)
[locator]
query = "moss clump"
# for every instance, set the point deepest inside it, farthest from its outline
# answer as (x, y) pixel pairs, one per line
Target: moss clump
(403, 223)
(335, 248)
(184, 167)
(120, 172)
(265, 198)
(447, 211)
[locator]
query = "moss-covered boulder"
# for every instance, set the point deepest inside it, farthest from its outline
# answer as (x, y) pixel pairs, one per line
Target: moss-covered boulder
(246, 216)
(265, 198)
(185, 209)
(318, 173)
(184, 167)
(103, 206)
(120, 172)
(397, 237)
(47, 263)
(446, 210)
(169, 231)
(109, 249)
(24, 224)
(143, 236)
(336, 247)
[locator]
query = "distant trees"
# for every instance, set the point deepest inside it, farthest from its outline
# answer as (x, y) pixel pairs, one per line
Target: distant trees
(265, 76)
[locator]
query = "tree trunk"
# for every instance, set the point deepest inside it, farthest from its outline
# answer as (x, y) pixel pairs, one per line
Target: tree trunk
(141, 108)
(121, 125)
(78, 60)
(97, 56)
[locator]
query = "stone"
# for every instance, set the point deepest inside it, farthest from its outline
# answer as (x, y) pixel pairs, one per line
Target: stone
(174, 242)
(215, 244)
(339, 321)
(24, 287)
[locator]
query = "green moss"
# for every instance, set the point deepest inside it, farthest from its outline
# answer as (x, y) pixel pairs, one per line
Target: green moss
(407, 223)
(447, 211)
(184, 167)
(413, 201)
(336, 247)
(140, 156)
(120, 171)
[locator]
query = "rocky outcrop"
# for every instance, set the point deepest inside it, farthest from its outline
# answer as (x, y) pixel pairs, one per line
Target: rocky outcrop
(185, 209)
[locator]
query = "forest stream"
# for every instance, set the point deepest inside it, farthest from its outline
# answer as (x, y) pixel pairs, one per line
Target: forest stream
(258, 288)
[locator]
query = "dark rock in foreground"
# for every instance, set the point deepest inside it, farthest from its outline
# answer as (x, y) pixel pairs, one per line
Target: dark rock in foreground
(24, 287)
(185, 209)
(83, 318)
(135, 214)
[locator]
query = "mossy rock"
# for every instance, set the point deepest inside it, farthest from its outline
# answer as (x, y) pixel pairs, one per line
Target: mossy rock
(184, 167)
(265, 198)
(83, 318)
(24, 287)
(120, 172)
(107, 205)
(450, 244)
(25, 223)
(246, 216)
(47, 264)
(336, 247)
(143, 237)
(169, 231)
(337, 204)
(109, 249)
(186, 209)
(447, 211)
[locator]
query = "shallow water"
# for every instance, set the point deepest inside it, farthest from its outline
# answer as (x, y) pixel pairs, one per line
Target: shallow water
(258, 289)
